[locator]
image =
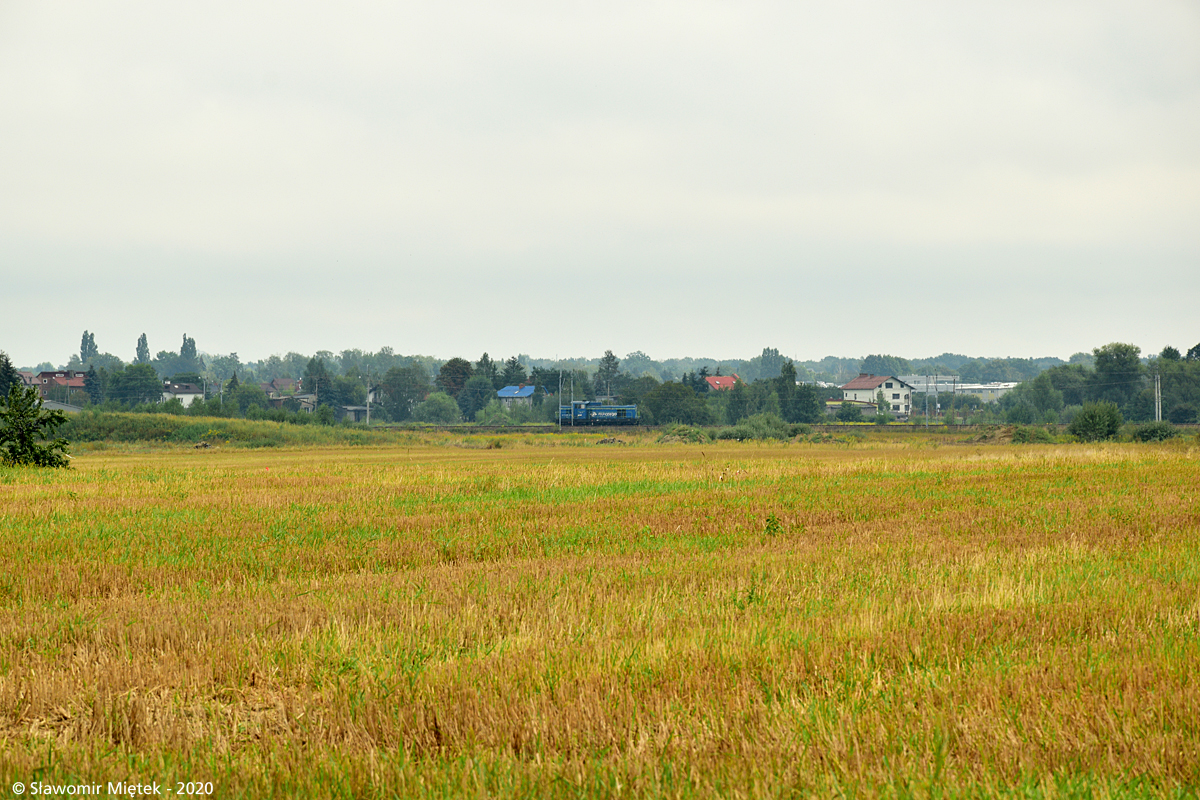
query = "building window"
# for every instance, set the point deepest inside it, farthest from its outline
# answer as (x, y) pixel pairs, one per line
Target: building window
(895, 408)
(895, 395)
(888, 385)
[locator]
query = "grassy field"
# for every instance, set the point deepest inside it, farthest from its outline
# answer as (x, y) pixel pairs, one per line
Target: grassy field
(552, 617)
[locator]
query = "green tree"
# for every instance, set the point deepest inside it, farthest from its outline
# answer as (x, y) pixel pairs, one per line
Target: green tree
(796, 403)
(885, 365)
(143, 350)
(402, 389)
(634, 390)
(1170, 354)
(763, 399)
(608, 374)
(1021, 413)
(93, 385)
(488, 369)
(453, 376)
(478, 392)
(638, 364)
(26, 430)
(696, 381)
(805, 406)
(1043, 395)
(1118, 373)
(544, 378)
(848, 412)
(346, 390)
(8, 374)
(135, 385)
(882, 406)
(675, 402)
(187, 350)
(1039, 395)
(220, 368)
(246, 396)
(87, 348)
(1072, 381)
(738, 405)
(438, 409)
(317, 381)
(770, 362)
(514, 373)
(1096, 422)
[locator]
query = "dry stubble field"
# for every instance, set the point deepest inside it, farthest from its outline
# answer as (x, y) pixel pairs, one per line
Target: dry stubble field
(558, 618)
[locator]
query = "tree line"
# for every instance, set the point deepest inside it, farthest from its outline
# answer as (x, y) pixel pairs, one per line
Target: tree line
(423, 388)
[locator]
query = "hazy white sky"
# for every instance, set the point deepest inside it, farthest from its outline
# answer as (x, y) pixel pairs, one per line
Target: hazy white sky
(561, 178)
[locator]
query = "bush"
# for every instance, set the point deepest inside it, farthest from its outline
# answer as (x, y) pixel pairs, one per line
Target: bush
(1155, 432)
(1096, 422)
(848, 412)
(738, 433)
(494, 413)
(1022, 413)
(439, 409)
(684, 433)
(1027, 434)
(762, 426)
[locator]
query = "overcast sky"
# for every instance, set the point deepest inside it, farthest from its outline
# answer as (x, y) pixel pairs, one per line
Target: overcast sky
(562, 178)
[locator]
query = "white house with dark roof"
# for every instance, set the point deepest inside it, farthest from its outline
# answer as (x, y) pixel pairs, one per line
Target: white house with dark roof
(865, 389)
(183, 392)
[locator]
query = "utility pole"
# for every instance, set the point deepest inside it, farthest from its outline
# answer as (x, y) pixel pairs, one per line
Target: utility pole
(1157, 397)
(368, 395)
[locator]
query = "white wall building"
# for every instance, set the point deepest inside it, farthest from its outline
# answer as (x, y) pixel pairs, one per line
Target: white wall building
(866, 388)
(941, 384)
(184, 392)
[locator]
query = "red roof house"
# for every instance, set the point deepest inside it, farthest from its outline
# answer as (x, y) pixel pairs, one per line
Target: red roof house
(722, 383)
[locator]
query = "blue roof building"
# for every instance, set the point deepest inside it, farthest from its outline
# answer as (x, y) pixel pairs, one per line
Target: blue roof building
(510, 395)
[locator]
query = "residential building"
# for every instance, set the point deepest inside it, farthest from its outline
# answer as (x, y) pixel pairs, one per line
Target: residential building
(521, 395)
(185, 393)
(280, 387)
(64, 384)
(722, 383)
(866, 388)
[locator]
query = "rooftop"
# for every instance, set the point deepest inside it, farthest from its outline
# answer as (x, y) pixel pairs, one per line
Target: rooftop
(524, 390)
(722, 383)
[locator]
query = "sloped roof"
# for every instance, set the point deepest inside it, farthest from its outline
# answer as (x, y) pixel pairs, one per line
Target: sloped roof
(181, 388)
(524, 390)
(872, 382)
(722, 382)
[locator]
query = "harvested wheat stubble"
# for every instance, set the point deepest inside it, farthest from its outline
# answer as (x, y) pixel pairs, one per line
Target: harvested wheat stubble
(729, 620)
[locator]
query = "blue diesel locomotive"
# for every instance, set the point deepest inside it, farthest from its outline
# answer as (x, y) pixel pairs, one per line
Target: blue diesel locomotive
(589, 412)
